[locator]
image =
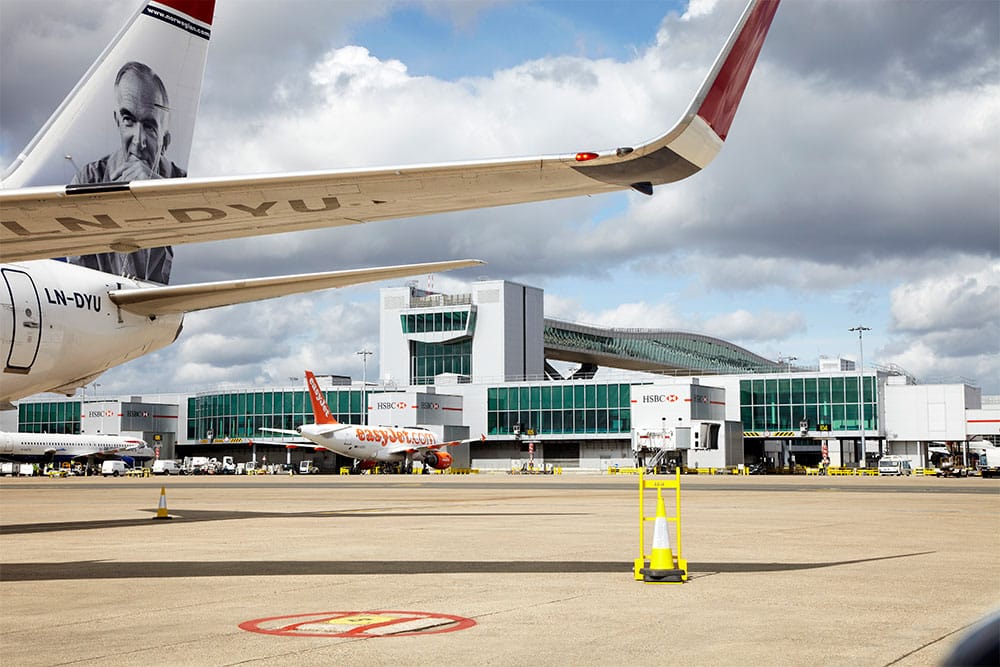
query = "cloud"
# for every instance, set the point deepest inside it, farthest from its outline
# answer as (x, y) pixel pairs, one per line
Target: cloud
(947, 326)
(967, 300)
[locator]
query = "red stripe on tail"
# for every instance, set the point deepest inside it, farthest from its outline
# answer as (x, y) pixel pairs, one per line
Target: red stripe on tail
(202, 10)
(719, 106)
(321, 411)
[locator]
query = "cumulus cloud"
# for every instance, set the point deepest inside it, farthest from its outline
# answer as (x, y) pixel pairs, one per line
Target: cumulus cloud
(967, 300)
(947, 326)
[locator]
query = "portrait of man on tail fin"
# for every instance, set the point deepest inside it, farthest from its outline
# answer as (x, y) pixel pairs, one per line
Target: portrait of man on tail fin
(142, 116)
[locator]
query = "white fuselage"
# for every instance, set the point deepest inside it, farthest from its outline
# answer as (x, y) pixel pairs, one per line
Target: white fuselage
(371, 443)
(59, 329)
(58, 447)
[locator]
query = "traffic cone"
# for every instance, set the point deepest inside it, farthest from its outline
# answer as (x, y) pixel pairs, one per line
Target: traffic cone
(161, 511)
(661, 568)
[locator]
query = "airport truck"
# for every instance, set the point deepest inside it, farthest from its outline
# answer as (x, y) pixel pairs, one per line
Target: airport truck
(989, 463)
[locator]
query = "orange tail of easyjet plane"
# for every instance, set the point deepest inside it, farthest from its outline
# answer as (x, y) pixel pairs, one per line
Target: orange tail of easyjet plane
(321, 411)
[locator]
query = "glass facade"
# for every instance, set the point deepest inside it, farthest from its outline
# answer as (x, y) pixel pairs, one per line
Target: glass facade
(657, 349)
(428, 360)
(566, 409)
(457, 320)
(62, 417)
(242, 415)
(827, 403)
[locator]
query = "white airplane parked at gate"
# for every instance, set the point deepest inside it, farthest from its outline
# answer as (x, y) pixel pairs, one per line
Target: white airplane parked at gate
(63, 324)
(55, 447)
(369, 445)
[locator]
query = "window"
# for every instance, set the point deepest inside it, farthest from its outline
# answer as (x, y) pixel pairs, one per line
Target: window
(851, 390)
(784, 391)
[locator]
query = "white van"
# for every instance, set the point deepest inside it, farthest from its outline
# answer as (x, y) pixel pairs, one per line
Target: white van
(894, 465)
(115, 468)
(166, 467)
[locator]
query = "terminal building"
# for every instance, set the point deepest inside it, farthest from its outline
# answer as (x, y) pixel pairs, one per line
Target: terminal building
(485, 363)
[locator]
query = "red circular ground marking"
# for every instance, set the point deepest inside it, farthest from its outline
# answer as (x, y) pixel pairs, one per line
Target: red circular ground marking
(359, 624)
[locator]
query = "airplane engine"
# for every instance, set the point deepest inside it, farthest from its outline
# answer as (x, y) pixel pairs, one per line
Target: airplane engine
(438, 460)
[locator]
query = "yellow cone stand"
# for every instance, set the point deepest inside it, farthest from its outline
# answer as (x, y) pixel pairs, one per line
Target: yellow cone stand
(161, 511)
(660, 567)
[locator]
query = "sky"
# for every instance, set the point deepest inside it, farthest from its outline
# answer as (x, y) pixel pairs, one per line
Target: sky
(859, 184)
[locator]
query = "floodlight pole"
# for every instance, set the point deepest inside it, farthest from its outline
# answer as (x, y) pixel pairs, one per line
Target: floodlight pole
(364, 384)
(861, 390)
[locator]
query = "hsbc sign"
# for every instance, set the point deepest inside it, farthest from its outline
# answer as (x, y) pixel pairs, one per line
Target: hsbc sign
(660, 398)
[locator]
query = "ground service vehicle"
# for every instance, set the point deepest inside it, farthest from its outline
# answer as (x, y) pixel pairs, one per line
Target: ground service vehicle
(166, 467)
(894, 465)
(113, 468)
(989, 463)
(307, 468)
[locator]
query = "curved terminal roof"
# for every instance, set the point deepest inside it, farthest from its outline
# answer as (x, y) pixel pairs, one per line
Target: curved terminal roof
(653, 350)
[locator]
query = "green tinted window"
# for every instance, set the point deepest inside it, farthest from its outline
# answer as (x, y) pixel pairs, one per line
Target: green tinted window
(851, 390)
(798, 391)
(547, 398)
(837, 390)
(811, 390)
(557, 398)
(784, 391)
(613, 395)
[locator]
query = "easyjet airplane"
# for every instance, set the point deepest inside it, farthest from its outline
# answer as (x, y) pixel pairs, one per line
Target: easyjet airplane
(104, 184)
(369, 445)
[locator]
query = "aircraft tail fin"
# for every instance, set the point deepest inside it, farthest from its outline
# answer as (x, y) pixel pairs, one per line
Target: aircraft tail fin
(164, 44)
(321, 411)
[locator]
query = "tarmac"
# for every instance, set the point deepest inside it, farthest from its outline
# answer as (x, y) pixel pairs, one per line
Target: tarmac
(491, 570)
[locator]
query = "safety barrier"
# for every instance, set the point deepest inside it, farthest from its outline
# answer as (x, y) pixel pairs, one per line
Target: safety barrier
(660, 566)
(858, 472)
(615, 470)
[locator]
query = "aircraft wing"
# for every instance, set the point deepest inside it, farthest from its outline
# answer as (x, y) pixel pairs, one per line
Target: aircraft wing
(56, 221)
(200, 296)
(298, 443)
(403, 448)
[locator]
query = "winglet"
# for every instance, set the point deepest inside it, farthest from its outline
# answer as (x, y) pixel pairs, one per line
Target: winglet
(321, 411)
(724, 86)
(694, 141)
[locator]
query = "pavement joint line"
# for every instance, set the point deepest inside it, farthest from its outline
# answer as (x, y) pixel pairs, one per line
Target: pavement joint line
(540, 603)
(930, 643)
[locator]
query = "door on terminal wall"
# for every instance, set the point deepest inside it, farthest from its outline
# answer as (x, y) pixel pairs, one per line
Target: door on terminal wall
(26, 318)
(561, 454)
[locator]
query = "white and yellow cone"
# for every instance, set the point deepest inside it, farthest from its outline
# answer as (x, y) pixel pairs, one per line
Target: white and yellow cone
(161, 511)
(661, 569)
